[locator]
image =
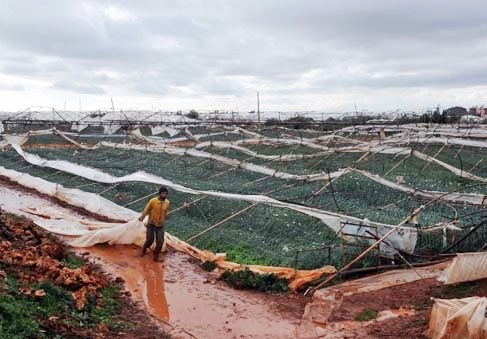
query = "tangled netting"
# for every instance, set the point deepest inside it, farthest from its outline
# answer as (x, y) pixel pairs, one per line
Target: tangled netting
(280, 197)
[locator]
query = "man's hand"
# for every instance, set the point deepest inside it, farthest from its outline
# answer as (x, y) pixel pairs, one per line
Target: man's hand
(141, 218)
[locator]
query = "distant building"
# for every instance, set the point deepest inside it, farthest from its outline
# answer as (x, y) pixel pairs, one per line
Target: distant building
(480, 111)
(454, 113)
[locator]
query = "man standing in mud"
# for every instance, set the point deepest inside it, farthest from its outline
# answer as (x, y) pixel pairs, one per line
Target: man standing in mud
(156, 209)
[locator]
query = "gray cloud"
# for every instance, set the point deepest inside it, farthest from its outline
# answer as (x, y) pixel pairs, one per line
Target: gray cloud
(165, 49)
(77, 87)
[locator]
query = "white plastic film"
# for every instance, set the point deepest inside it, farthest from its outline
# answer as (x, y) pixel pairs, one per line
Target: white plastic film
(466, 267)
(458, 319)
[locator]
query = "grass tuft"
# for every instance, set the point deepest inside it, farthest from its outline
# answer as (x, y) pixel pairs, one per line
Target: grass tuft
(366, 315)
(248, 280)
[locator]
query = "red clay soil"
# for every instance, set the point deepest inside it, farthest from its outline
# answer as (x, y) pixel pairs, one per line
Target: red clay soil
(385, 299)
(416, 295)
(34, 256)
(183, 294)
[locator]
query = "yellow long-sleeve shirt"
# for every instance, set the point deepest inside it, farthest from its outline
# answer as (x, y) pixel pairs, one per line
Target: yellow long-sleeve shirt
(157, 211)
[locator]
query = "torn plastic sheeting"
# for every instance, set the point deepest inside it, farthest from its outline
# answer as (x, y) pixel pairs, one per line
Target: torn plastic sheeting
(458, 318)
(403, 239)
(78, 127)
(246, 131)
(228, 161)
(451, 168)
(110, 129)
(90, 202)
(155, 140)
(466, 267)
(436, 140)
(16, 139)
(337, 137)
(161, 129)
(60, 226)
(131, 232)
(74, 142)
(419, 155)
(373, 147)
(1, 127)
(470, 198)
(283, 157)
(303, 142)
(47, 212)
(427, 128)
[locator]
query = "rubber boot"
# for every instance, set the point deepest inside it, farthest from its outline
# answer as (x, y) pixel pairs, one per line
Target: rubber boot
(142, 252)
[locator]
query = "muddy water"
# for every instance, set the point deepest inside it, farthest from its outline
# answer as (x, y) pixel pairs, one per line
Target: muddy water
(179, 292)
(143, 278)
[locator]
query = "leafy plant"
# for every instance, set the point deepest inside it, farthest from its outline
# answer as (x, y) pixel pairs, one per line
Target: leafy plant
(366, 315)
(248, 280)
(73, 261)
(208, 266)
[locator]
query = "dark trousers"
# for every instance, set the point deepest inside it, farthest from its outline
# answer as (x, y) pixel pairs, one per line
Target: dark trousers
(158, 233)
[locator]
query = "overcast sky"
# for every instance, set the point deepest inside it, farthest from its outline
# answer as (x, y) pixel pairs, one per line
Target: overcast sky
(300, 55)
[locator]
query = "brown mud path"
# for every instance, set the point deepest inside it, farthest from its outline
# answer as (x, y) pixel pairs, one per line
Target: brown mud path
(179, 292)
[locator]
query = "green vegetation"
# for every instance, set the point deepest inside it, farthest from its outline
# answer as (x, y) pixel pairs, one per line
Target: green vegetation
(73, 261)
(208, 266)
(247, 280)
(366, 315)
(26, 316)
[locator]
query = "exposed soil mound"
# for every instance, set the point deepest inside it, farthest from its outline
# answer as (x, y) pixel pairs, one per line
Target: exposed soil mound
(415, 296)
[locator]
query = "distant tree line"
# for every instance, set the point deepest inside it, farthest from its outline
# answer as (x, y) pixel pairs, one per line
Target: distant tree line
(447, 116)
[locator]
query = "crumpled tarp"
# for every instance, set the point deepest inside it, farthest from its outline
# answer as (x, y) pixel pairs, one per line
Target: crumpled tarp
(466, 267)
(458, 319)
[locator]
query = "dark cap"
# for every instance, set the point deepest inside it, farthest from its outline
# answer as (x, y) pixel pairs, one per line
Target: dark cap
(163, 189)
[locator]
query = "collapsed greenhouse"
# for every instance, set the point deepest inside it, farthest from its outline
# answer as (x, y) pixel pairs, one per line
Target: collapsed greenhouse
(305, 204)
(300, 203)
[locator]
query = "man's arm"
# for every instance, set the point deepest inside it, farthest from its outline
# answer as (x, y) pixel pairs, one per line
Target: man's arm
(145, 211)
